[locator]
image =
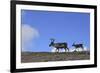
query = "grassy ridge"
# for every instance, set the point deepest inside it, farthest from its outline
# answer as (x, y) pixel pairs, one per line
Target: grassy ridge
(49, 56)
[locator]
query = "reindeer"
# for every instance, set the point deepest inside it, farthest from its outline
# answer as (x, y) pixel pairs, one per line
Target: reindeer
(59, 45)
(78, 46)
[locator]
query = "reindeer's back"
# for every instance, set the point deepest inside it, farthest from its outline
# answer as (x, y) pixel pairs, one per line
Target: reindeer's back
(61, 44)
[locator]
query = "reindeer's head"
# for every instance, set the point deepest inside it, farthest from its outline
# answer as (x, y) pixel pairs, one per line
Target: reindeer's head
(73, 44)
(52, 42)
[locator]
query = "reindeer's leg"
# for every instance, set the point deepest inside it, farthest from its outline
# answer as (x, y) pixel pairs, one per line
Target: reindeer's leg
(82, 48)
(58, 49)
(75, 49)
(68, 49)
(65, 49)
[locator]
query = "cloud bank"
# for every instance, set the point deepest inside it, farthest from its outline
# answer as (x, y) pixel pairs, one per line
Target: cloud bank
(28, 34)
(70, 49)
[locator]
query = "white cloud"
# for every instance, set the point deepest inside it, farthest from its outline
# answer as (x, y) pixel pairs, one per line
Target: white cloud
(53, 49)
(72, 49)
(28, 34)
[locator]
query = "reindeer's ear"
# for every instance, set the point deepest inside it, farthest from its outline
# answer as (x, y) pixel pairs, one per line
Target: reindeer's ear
(52, 39)
(73, 42)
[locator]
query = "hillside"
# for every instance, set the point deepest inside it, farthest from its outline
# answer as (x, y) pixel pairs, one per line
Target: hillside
(49, 56)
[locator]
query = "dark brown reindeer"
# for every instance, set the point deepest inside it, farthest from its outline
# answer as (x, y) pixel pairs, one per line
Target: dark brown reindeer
(59, 45)
(78, 46)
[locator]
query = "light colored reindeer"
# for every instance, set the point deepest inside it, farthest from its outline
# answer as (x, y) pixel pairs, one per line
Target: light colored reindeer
(58, 46)
(78, 46)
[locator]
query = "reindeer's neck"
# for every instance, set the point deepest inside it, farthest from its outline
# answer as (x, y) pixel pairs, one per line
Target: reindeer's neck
(52, 43)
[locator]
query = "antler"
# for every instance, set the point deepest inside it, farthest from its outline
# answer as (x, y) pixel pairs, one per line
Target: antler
(52, 39)
(73, 43)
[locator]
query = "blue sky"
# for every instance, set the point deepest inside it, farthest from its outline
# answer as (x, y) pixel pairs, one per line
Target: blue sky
(62, 26)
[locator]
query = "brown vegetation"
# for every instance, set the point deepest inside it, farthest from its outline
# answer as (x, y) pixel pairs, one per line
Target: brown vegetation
(49, 56)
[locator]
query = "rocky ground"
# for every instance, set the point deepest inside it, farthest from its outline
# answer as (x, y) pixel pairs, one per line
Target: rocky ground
(49, 56)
